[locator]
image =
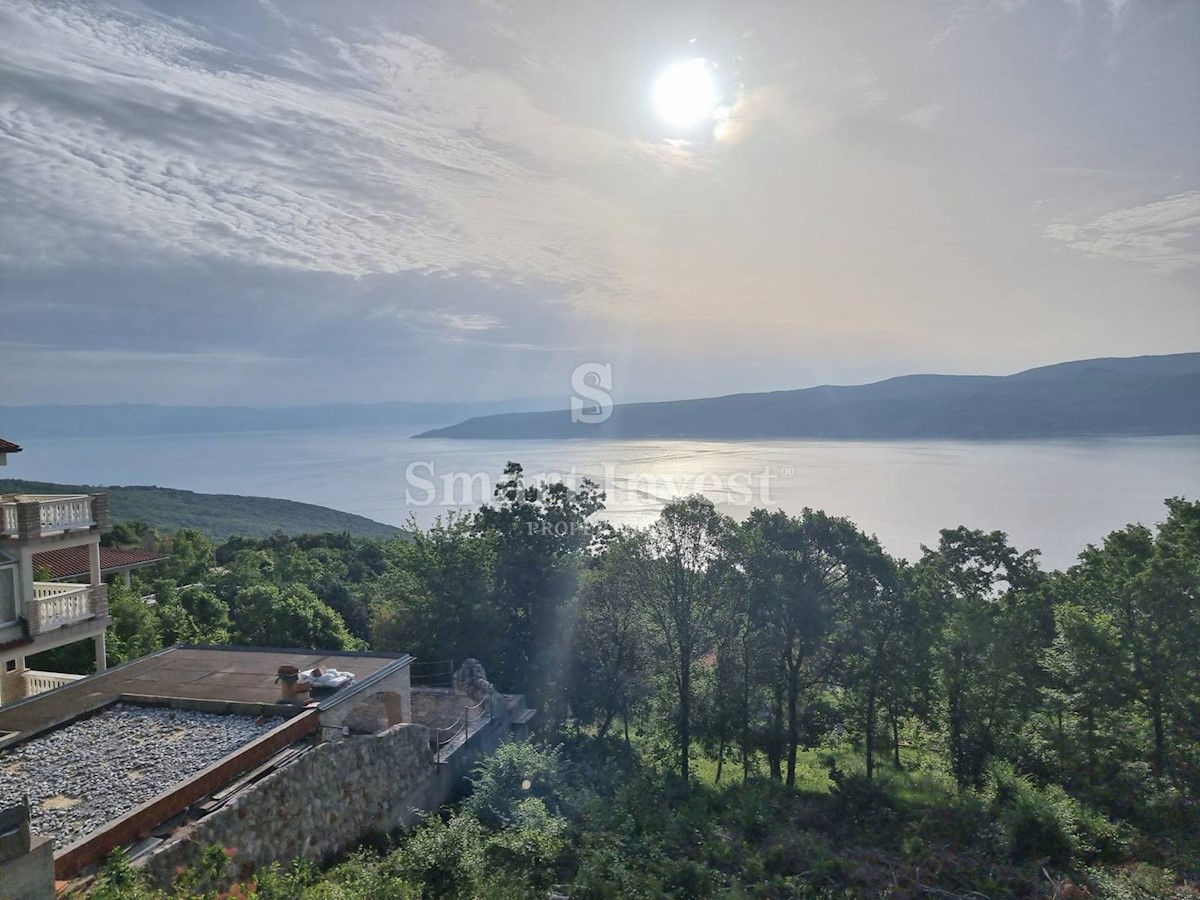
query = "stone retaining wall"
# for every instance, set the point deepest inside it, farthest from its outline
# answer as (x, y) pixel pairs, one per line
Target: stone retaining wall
(331, 799)
(319, 806)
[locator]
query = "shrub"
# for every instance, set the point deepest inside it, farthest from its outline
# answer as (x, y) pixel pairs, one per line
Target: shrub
(118, 880)
(513, 774)
(531, 846)
(278, 883)
(363, 876)
(1047, 823)
(445, 857)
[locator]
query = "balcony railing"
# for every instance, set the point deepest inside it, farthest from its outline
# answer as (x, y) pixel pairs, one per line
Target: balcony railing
(40, 682)
(35, 515)
(56, 605)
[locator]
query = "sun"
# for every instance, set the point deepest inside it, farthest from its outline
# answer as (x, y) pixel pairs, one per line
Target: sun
(685, 94)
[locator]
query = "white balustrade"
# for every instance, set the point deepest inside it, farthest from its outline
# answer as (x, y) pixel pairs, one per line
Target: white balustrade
(40, 682)
(56, 512)
(60, 604)
(62, 513)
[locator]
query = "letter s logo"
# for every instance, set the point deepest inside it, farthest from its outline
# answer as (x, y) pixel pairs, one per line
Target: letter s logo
(591, 381)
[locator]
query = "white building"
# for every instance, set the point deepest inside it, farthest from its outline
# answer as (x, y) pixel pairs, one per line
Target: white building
(37, 616)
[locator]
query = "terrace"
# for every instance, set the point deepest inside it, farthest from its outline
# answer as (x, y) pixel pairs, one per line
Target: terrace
(54, 606)
(224, 678)
(32, 516)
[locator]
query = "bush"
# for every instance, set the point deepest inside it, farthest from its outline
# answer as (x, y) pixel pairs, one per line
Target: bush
(364, 876)
(532, 845)
(867, 805)
(1046, 823)
(514, 773)
(278, 883)
(446, 858)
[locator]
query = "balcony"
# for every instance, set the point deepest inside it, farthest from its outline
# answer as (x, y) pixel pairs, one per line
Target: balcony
(56, 605)
(27, 516)
(39, 682)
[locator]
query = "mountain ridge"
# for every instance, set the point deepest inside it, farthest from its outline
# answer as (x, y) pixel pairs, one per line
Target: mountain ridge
(217, 515)
(143, 419)
(1145, 395)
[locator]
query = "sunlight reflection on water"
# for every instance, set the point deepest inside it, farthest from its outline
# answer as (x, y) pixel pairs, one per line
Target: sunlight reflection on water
(1057, 495)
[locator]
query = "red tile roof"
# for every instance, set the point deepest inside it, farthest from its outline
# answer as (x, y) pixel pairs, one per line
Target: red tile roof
(72, 562)
(8, 447)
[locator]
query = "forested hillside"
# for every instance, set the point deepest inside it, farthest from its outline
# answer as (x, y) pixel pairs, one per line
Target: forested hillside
(772, 708)
(217, 515)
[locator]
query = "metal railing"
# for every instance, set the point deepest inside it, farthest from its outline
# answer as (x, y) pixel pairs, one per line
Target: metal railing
(438, 673)
(461, 726)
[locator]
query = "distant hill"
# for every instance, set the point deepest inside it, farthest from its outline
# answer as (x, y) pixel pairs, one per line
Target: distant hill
(127, 419)
(1145, 395)
(217, 515)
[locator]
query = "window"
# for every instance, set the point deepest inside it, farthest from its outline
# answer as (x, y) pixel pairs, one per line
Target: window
(8, 594)
(10, 665)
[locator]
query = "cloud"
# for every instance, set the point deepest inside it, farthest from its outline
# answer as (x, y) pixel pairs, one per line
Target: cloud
(1116, 7)
(1163, 236)
(352, 153)
(468, 321)
(438, 319)
(764, 103)
(399, 198)
(925, 116)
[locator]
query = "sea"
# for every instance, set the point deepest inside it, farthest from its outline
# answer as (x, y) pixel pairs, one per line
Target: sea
(1053, 495)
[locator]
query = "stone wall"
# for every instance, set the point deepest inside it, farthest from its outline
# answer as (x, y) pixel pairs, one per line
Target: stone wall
(102, 511)
(335, 796)
(12, 684)
(438, 707)
(396, 701)
(321, 805)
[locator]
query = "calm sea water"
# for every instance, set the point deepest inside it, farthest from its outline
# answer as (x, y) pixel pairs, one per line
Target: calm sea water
(1054, 495)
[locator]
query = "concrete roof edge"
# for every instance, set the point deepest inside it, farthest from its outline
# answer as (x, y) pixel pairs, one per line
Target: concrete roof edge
(309, 651)
(86, 678)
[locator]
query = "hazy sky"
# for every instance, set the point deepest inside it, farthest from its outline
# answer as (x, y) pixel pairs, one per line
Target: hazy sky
(240, 202)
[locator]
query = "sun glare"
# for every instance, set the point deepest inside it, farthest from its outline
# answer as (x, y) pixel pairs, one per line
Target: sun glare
(685, 95)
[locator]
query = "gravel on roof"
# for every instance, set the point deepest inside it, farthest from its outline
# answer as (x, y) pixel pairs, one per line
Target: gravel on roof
(86, 774)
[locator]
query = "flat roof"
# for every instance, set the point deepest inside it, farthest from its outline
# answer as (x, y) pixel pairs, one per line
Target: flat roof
(221, 674)
(100, 767)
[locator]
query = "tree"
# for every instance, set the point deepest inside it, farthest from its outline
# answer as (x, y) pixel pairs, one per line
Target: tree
(437, 593)
(209, 613)
(881, 631)
(541, 533)
(609, 674)
(131, 534)
(909, 687)
(134, 630)
(683, 579)
(176, 625)
(1126, 643)
(800, 572)
(993, 627)
(266, 616)
(191, 556)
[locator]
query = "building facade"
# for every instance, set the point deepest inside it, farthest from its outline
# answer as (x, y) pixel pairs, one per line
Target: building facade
(36, 616)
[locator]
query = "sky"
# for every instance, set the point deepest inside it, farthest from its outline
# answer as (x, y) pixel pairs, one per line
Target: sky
(304, 202)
